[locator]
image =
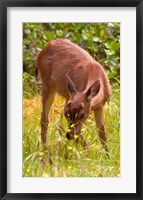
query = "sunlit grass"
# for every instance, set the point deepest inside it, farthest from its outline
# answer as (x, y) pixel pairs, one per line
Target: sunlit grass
(63, 158)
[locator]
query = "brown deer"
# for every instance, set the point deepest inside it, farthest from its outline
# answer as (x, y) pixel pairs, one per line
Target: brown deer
(67, 69)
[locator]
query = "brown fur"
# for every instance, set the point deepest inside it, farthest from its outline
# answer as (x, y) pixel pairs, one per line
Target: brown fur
(67, 69)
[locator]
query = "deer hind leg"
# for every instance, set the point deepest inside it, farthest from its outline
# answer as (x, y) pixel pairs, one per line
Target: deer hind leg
(47, 100)
(99, 119)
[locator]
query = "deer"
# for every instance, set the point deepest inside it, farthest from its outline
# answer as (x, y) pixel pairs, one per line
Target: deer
(69, 70)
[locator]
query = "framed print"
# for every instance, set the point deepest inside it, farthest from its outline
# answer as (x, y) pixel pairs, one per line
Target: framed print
(71, 99)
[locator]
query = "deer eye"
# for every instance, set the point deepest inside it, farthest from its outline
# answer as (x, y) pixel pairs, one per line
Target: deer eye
(82, 116)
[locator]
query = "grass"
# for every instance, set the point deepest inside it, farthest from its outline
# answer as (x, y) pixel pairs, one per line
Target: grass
(63, 158)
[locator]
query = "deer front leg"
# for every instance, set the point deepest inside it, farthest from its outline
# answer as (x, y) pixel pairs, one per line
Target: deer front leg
(99, 119)
(47, 100)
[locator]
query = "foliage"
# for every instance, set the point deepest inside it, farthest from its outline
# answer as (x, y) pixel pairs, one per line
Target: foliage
(63, 158)
(101, 40)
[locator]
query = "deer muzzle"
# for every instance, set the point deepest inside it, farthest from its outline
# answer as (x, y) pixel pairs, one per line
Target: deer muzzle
(72, 131)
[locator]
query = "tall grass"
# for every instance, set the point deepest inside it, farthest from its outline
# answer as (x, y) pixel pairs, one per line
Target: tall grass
(63, 158)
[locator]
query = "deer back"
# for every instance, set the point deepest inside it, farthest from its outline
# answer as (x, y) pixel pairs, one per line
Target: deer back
(61, 57)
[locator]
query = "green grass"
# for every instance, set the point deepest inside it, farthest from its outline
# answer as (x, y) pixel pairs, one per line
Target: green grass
(63, 158)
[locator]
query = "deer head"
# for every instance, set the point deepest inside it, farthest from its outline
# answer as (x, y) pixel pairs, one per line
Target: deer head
(78, 106)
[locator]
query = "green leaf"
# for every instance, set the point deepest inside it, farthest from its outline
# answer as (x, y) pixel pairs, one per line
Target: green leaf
(85, 36)
(27, 31)
(111, 74)
(59, 33)
(34, 35)
(48, 35)
(67, 35)
(102, 33)
(96, 39)
(114, 46)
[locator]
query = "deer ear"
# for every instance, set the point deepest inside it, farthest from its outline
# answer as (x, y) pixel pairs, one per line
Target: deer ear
(93, 90)
(70, 86)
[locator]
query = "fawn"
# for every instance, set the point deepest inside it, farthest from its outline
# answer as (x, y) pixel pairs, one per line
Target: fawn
(67, 69)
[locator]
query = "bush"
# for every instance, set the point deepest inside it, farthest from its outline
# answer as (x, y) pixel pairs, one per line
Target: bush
(101, 40)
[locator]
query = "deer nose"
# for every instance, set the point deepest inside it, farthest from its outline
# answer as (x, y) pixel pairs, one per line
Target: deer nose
(69, 136)
(70, 133)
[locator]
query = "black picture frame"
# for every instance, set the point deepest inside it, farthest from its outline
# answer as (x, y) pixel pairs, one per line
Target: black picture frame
(4, 4)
